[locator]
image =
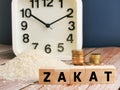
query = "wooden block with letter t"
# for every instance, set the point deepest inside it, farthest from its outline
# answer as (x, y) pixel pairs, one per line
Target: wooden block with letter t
(46, 76)
(77, 75)
(108, 74)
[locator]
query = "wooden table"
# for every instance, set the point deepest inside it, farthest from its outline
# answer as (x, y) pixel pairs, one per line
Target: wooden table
(110, 56)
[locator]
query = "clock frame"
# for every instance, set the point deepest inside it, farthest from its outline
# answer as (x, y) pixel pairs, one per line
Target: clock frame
(25, 19)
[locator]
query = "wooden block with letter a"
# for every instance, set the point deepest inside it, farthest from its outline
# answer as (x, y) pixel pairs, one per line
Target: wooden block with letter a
(77, 75)
(108, 74)
(93, 74)
(54, 76)
(61, 76)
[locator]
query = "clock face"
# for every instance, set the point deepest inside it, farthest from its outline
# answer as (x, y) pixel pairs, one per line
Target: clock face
(45, 25)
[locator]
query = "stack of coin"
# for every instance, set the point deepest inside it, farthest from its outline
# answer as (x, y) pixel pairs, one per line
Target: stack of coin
(78, 57)
(89, 64)
(95, 58)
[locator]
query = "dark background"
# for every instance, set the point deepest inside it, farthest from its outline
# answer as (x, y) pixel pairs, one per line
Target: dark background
(5, 21)
(101, 23)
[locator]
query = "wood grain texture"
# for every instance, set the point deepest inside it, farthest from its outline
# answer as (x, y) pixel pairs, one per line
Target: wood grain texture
(6, 53)
(110, 56)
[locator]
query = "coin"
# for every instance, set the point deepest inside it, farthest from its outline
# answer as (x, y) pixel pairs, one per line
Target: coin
(74, 62)
(78, 60)
(77, 53)
(96, 55)
(95, 58)
(97, 62)
(78, 57)
(88, 63)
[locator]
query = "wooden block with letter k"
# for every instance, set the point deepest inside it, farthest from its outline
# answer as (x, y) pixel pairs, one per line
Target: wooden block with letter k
(78, 75)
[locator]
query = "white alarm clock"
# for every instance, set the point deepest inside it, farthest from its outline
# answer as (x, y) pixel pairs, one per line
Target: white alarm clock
(50, 26)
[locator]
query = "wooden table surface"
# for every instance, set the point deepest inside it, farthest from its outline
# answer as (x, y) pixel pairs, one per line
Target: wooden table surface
(110, 56)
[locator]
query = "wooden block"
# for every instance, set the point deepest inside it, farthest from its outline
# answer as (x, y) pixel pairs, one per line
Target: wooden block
(77, 75)
(61, 76)
(93, 74)
(108, 74)
(46, 76)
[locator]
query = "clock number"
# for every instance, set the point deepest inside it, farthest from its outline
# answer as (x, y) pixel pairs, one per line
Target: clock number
(33, 3)
(60, 47)
(26, 38)
(26, 13)
(70, 10)
(70, 38)
(61, 1)
(48, 48)
(24, 25)
(36, 45)
(48, 3)
(72, 25)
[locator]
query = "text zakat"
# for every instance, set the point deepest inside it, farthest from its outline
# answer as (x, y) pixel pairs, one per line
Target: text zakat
(78, 75)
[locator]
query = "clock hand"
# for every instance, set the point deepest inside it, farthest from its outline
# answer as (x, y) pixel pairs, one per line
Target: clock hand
(47, 25)
(59, 19)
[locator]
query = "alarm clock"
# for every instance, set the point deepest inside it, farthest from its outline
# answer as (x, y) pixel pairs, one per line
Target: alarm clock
(50, 26)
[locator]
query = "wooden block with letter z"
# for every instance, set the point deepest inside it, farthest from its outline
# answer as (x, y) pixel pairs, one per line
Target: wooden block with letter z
(54, 76)
(46, 76)
(78, 75)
